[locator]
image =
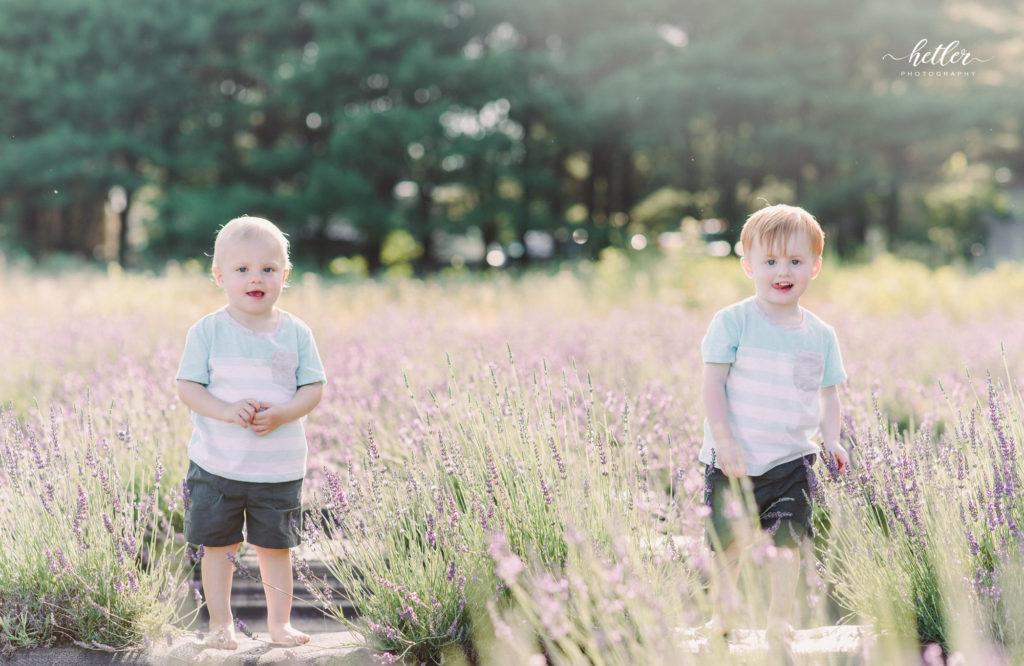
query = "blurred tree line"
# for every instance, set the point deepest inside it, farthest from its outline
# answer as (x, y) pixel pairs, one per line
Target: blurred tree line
(395, 130)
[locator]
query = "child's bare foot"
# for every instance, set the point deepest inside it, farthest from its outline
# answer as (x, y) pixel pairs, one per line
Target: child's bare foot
(221, 638)
(716, 627)
(779, 632)
(286, 634)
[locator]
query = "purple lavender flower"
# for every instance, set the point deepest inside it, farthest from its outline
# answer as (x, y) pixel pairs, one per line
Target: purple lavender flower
(453, 514)
(975, 549)
(409, 615)
(431, 535)
(812, 482)
(242, 627)
(239, 567)
(385, 630)
(508, 566)
(63, 563)
(373, 456)
(491, 478)
(37, 454)
(335, 492)
(55, 568)
(446, 459)
(708, 485)
(128, 545)
(548, 498)
(557, 457)
(386, 583)
(46, 496)
(81, 513)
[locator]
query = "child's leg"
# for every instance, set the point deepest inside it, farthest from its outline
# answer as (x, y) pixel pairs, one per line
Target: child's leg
(217, 572)
(725, 595)
(787, 514)
(276, 571)
(720, 527)
(785, 577)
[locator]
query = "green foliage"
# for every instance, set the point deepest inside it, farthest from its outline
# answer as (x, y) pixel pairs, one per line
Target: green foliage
(345, 120)
(955, 217)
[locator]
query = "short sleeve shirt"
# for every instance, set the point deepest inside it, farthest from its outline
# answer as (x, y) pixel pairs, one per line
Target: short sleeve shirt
(772, 389)
(235, 363)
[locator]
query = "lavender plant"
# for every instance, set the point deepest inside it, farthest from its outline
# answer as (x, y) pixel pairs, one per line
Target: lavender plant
(928, 527)
(88, 557)
(500, 468)
(434, 489)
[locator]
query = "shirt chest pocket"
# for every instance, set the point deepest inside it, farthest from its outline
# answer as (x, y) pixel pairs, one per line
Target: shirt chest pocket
(808, 370)
(282, 368)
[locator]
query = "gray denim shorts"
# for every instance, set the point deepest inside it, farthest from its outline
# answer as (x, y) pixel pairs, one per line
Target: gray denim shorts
(782, 495)
(218, 508)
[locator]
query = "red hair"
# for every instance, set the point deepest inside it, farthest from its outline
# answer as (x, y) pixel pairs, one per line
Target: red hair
(772, 225)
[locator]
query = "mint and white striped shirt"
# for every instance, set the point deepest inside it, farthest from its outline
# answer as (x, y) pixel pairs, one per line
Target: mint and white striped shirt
(773, 385)
(235, 363)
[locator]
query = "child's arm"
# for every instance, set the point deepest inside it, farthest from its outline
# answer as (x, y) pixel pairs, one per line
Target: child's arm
(201, 401)
(727, 452)
(830, 428)
(270, 416)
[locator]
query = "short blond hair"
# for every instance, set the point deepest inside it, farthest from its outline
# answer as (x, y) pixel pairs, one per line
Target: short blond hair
(245, 227)
(772, 225)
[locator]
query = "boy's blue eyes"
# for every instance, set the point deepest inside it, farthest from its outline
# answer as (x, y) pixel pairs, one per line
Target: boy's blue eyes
(268, 269)
(771, 262)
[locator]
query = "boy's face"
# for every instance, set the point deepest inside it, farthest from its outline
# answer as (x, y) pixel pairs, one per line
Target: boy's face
(781, 274)
(252, 272)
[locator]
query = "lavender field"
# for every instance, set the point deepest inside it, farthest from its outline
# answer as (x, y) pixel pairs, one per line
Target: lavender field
(503, 471)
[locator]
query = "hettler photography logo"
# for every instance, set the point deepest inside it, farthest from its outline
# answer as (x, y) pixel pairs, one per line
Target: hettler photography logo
(942, 60)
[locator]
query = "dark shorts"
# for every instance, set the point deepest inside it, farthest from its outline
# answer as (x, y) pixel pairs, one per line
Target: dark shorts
(218, 508)
(783, 503)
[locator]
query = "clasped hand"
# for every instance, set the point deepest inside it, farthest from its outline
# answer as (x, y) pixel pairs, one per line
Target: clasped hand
(263, 417)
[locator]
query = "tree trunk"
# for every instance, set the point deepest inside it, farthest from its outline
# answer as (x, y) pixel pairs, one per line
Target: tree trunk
(898, 164)
(374, 244)
(424, 231)
(598, 182)
(891, 209)
(29, 228)
(122, 232)
(628, 188)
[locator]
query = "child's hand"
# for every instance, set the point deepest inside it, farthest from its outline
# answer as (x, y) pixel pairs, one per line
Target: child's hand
(268, 418)
(730, 461)
(838, 455)
(240, 413)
